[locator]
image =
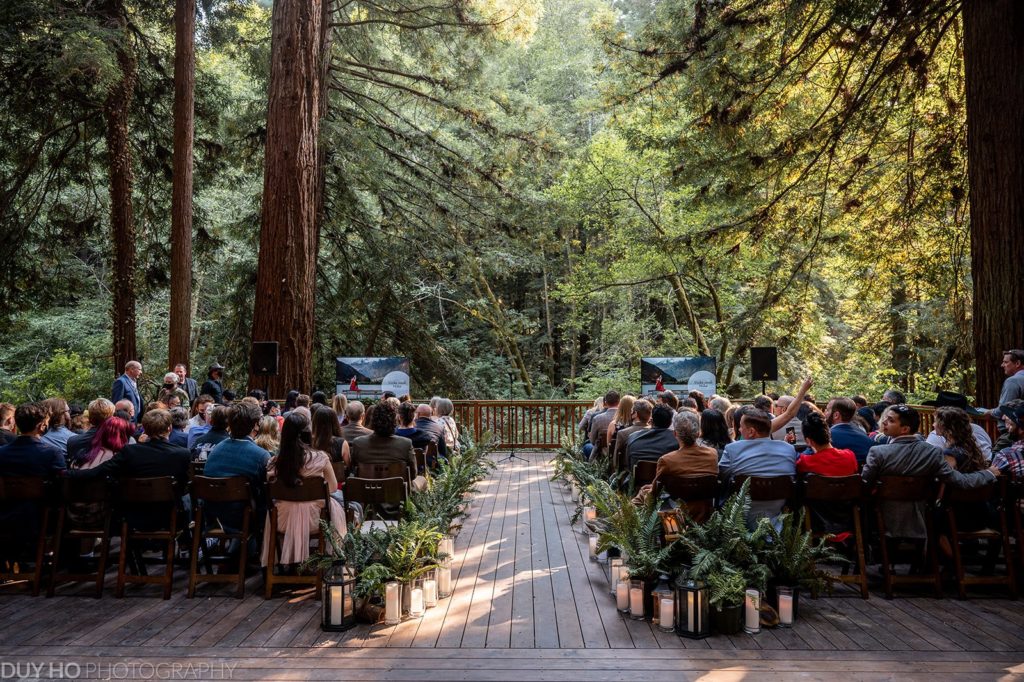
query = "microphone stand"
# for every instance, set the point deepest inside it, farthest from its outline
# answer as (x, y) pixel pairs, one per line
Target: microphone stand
(514, 421)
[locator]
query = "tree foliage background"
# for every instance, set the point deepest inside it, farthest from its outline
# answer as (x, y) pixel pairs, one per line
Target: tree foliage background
(552, 188)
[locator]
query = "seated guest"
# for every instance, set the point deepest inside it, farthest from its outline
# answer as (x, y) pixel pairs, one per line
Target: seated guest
(383, 445)
(239, 455)
(758, 455)
(57, 432)
(669, 398)
(840, 413)
(318, 398)
(215, 433)
(641, 420)
(204, 426)
(179, 420)
(268, 434)
(338, 404)
(859, 400)
(7, 427)
(327, 436)
(781, 406)
(826, 460)
(443, 410)
(296, 520)
(623, 418)
(688, 403)
(720, 403)
(155, 457)
(909, 455)
(690, 459)
(355, 412)
(408, 428)
(113, 435)
(199, 408)
(959, 444)
(128, 408)
(99, 411)
(426, 424)
(29, 454)
(599, 425)
(714, 433)
(650, 444)
(957, 400)
(1010, 460)
(698, 397)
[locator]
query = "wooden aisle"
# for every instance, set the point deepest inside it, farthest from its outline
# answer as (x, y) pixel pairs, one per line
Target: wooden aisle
(528, 604)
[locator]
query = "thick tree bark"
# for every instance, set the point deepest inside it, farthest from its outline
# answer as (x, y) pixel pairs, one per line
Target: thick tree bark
(180, 324)
(994, 68)
(122, 220)
(286, 275)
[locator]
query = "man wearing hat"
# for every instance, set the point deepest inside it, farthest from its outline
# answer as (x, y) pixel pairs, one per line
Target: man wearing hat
(213, 386)
(952, 399)
(1010, 460)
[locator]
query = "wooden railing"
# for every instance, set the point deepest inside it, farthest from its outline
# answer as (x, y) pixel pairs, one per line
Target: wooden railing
(542, 424)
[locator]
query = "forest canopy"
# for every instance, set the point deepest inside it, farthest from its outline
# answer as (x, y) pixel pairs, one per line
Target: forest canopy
(552, 188)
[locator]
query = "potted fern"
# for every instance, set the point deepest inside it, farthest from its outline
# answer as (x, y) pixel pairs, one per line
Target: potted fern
(793, 557)
(726, 590)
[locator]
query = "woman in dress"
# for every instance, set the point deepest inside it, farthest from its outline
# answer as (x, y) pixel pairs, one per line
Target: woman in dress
(296, 520)
(443, 409)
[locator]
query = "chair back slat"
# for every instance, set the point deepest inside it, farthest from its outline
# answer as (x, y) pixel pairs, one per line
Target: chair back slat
(766, 488)
(906, 488)
(833, 488)
(148, 490)
(228, 489)
(644, 472)
(24, 488)
(309, 489)
(953, 495)
(690, 488)
(85, 490)
(378, 470)
(375, 491)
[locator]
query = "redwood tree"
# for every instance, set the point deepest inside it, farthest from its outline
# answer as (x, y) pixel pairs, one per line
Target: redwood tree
(289, 234)
(994, 69)
(180, 325)
(122, 222)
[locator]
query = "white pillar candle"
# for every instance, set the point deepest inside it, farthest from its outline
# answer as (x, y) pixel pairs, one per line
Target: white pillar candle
(392, 604)
(593, 547)
(613, 575)
(336, 604)
(622, 597)
(444, 581)
(430, 593)
(416, 603)
(666, 614)
(690, 605)
(636, 602)
(752, 611)
(785, 610)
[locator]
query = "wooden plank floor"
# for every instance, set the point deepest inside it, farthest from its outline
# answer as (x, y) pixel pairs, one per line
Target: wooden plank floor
(527, 604)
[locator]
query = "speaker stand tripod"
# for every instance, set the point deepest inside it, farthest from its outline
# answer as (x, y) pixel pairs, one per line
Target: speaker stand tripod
(514, 421)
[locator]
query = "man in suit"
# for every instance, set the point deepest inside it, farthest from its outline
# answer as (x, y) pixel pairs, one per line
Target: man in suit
(907, 455)
(641, 421)
(383, 446)
(425, 424)
(29, 454)
(155, 457)
(126, 386)
(355, 411)
(650, 444)
(839, 414)
(186, 383)
(100, 410)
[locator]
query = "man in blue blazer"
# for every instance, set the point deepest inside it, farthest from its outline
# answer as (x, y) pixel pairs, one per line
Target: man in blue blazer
(846, 436)
(126, 386)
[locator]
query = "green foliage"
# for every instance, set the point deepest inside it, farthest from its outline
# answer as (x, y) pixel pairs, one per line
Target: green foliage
(63, 374)
(793, 555)
(636, 531)
(441, 504)
(726, 587)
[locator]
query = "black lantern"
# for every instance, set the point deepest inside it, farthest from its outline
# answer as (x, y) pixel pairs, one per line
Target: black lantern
(692, 610)
(339, 611)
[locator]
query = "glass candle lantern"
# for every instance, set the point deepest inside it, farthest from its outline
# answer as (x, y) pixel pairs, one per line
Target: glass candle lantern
(416, 604)
(622, 596)
(752, 612)
(589, 514)
(444, 580)
(692, 610)
(392, 603)
(785, 606)
(337, 601)
(636, 599)
(663, 614)
(430, 592)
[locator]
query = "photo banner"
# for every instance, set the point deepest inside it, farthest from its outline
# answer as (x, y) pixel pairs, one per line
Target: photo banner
(362, 377)
(680, 375)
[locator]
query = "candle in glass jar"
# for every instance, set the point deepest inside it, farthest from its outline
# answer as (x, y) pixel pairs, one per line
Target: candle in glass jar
(622, 597)
(666, 615)
(392, 603)
(593, 547)
(636, 603)
(416, 602)
(613, 575)
(752, 612)
(444, 581)
(335, 604)
(785, 607)
(430, 593)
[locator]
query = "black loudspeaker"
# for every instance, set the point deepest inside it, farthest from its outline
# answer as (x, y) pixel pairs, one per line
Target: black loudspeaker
(264, 357)
(764, 364)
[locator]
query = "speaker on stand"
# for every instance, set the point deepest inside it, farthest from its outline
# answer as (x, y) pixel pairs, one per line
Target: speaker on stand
(764, 365)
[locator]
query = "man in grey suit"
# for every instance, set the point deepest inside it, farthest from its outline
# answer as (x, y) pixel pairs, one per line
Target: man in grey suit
(908, 455)
(383, 446)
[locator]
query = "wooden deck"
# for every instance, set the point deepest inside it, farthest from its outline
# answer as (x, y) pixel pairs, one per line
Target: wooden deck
(527, 605)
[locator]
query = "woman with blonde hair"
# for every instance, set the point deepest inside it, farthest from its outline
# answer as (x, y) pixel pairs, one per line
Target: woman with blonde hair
(268, 437)
(623, 417)
(338, 404)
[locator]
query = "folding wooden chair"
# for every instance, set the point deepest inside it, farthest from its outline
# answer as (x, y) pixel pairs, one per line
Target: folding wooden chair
(644, 472)
(374, 493)
(232, 491)
(148, 499)
(309, 489)
(36, 496)
(75, 525)
(919, 489)
(954, 499)
(830, 494)
(695, 494)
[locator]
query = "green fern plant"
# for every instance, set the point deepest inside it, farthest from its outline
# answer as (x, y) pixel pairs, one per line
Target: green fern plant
(726, 588)
(635, 530)
(793, 557)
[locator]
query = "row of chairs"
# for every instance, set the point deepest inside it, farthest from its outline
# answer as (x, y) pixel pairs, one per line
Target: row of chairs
(76, 512)
(849, 493)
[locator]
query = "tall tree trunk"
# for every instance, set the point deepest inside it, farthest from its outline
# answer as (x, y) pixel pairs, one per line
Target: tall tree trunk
(994, 69)
(286, 274)
(898, 332)
(180, 325)
(122, 220)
